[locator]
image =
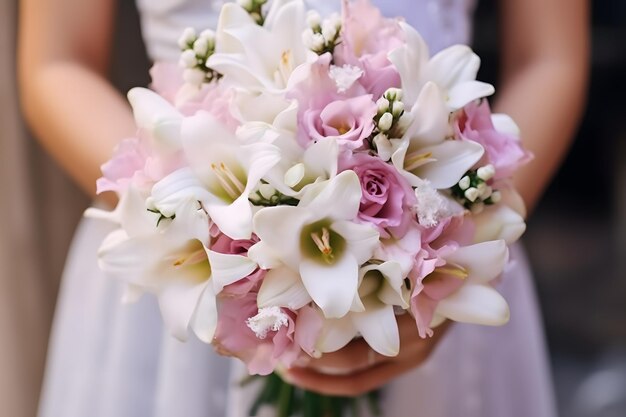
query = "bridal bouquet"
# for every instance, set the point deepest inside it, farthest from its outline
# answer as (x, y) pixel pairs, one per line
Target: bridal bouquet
(298, 181)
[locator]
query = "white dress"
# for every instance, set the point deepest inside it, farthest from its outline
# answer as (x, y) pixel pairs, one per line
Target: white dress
(112, 360)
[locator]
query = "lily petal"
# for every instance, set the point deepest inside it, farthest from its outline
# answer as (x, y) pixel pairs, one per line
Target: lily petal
(362, 239)
(156, 115)
(336, 333)
(228, 268)
(282, 287)
(452, 159)
(477, 304)
(332, 287)
(378, 326)
(499, 222)
(204, 320)
(178, 302)
(483, 261)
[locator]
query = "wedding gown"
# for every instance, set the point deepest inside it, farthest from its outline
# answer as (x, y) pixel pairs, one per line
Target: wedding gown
(112, 360)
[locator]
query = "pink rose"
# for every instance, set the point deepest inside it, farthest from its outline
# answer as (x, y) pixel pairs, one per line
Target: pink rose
(367, 38)
(503, 151)
(386, 199)
(323, 111)
(349, 121)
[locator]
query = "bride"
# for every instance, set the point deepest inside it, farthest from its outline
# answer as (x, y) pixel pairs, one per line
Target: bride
(112, 360)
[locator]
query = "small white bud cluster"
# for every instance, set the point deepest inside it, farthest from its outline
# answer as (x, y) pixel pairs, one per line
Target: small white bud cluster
(388, 121)
(473, 190)
(322, 35)
(196, 50)
(254, 9)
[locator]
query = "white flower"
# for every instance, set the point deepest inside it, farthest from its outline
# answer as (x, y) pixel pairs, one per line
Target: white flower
(345, 76)
(504, 220)
(476, 301)
(453, 70)
(313, 19)
(431, 206)
(424, 152)
(260, 58)
(221, 175)
(168, 260)
(157, 116)
(268, 319)
(381, 287)
(319, 240)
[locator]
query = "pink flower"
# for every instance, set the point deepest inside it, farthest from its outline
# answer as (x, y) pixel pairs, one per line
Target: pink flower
(367, 37)
(349, 121)
(134, 161)
(503, 151)
(167, 81)
(386, 198)
(295, 334)
(429, 285)
(324, 112)
(226, 245)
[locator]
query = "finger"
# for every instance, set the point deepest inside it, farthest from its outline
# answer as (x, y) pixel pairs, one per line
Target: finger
(351, 385)
(355, 356)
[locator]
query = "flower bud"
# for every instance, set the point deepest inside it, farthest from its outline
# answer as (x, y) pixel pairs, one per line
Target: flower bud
(201, 47)
(393, 94)
(188, 59)
(318, 42)
(335, 19)
(496, 197)
(471, 194)
(398, 108)
(383, 105)
(329, 30)
(313, 19)
(486, 173)
(485, 192)
(187, 38)
(464, 183)
(267, 191)
(385, 122)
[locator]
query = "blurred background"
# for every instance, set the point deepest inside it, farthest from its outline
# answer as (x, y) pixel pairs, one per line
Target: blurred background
(576, 239)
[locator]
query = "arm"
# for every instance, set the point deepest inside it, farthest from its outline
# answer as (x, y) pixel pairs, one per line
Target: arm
(63, 56)
(545, 51)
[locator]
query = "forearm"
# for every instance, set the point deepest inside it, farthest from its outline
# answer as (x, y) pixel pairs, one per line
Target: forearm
(77, 116)
(545, 53)
(546, 99)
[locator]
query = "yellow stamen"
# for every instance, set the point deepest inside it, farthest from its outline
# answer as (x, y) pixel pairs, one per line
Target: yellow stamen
(227, 179)
(323, 242)
(454, 270)
(415, 159)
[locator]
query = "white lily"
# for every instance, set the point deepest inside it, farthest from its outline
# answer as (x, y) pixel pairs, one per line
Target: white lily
(453, 69)
(260, 58)
(424, 152)
(157, 116)
(222, 174)
(476, 301)
(504, 220)
(168, 260)
(320, 241)
(381, 287)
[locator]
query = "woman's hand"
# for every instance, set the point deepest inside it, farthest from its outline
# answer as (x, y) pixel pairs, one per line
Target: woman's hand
(357, 369)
